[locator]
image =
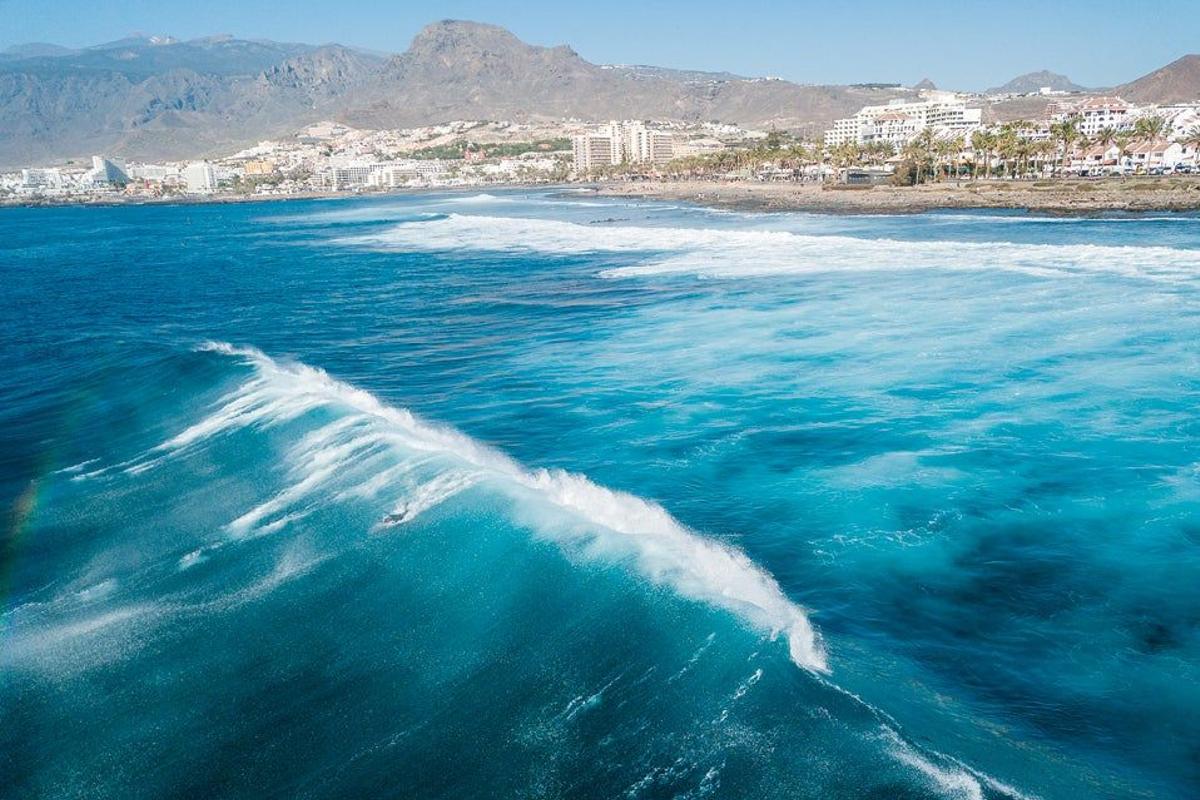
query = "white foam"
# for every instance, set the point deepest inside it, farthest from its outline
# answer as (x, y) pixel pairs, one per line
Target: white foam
(954, 780)
(482, 197)
(958, 780)
(189, 560)
(663, 550)
(75, 469)
(958, 784)
(318, 462)
(54, 645)
(748, 684)
(728, 253)
(429, 495)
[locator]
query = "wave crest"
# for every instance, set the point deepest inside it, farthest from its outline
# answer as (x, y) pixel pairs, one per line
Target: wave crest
(725, 253)
(664, 550)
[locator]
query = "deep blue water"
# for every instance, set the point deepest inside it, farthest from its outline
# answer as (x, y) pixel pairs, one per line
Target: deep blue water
(539, 495)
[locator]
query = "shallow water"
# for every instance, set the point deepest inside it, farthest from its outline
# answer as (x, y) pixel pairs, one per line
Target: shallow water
(534, 494)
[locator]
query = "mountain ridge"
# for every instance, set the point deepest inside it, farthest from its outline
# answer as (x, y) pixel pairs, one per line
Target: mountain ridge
(1031, 82)
(160, 98)
(1176, 82)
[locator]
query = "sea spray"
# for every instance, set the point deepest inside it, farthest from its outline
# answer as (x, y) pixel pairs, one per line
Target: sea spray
(664, 550)
(736, 253)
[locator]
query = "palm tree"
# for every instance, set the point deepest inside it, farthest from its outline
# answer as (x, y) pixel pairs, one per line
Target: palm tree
(845, 154)
(1042, 151)
(1192, 139)
(1151, 128)
(984, 142)
(947, 149)
(920, 150)
(1065, 133)
(1008, 149)
(1123, 141)
(1106, 138)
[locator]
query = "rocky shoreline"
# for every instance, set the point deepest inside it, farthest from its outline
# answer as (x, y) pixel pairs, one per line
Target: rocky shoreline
(1066, 197)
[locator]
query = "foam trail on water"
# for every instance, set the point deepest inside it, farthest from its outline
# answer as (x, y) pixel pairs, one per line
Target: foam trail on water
(723, 253)
(952, 778)
(663, 550)
(428, 495)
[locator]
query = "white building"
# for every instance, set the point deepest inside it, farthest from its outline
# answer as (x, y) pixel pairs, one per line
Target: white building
(899, 122)
(642, 145)
(1096, 156)
(407, 172)
(619, 142)
(155, 173)
(200, 178)
(351, 175)
(41, 179)
(1181, 117)
(697, 147)
(106, 172)
(392, 176)
(597, 148)
(1154, 155)
(1095, 114)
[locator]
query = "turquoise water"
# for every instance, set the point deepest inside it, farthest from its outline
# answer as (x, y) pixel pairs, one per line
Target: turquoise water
(540, 495)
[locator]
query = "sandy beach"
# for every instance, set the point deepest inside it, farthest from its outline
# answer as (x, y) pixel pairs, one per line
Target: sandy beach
(1134, 194)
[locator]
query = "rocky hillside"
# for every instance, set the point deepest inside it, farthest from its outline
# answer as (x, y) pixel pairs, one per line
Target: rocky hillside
(144, 97)
(1177, 82)
(466, 70)
(159, 98)
(150, 98)
(1032, 81)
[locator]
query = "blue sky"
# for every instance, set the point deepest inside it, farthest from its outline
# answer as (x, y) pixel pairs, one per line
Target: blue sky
(962, 44)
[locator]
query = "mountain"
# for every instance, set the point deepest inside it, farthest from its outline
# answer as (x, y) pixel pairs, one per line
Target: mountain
(1177, 82)
(328, 71)
(468, 70)
(924, 85)
(142, 56)
(34, 50)
(1031, 82)
(155, 97)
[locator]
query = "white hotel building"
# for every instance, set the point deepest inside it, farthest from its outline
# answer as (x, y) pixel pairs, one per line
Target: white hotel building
(619, 142)
(899, 122)
(1096, 114)
(199, 177)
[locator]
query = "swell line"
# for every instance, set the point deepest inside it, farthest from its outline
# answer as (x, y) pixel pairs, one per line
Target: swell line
(714, 252)
(664, 551)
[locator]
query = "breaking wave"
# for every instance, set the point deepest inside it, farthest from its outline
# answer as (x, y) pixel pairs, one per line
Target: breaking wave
(720, 253)
(616, 524)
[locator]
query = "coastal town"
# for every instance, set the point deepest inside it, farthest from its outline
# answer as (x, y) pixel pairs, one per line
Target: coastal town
(936, 136)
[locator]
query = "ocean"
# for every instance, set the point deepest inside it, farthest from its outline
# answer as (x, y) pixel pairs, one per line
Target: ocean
(537, 494)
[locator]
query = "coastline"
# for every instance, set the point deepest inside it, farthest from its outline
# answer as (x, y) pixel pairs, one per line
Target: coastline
(1064, 197)
(1133, 195)
(174, 200)
(219, 199)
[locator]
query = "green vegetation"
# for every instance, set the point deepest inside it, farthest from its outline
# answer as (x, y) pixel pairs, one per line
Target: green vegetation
(249, 184)
(459, 148)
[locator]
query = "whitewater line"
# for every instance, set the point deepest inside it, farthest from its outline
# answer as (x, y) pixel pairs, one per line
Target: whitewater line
(726, 253)
(665, 551)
